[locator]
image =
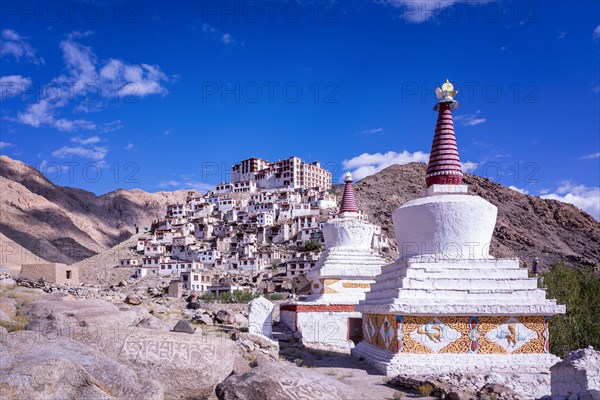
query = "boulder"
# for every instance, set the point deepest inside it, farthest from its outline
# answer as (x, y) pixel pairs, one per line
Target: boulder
(8, 306)
(194, 305)
(159, 309)
(282, 381)
(240, 319)
(203, 319)
(133, 300)
(151, 322)
(225, 317)
(7, 283)
(4, 317)
(184, 365)
(184, 327)
(63, 369)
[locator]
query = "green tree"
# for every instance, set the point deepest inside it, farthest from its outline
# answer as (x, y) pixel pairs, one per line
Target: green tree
(312, 245)
(579, 290)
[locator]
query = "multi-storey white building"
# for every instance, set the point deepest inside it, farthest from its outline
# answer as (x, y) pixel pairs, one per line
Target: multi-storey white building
(290, 173)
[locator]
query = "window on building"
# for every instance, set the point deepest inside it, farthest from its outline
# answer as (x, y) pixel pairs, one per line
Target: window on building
(68, 274)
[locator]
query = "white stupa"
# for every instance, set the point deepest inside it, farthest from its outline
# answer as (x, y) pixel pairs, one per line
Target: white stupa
(446, 305)
(343, 274)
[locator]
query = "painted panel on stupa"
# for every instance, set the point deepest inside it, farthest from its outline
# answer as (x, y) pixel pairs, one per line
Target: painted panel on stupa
(369, 330)
(387, 332)
(455, 335)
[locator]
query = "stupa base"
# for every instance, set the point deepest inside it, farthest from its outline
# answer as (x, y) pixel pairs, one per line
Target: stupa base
(528, 374)
(323, 324)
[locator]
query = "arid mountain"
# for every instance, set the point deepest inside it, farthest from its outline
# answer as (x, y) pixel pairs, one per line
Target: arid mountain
(527, 226)
(64, 224)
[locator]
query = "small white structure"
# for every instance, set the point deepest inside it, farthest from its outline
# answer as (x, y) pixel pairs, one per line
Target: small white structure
(130, 262)
(578, 374)
(343, 274)
(260, 317)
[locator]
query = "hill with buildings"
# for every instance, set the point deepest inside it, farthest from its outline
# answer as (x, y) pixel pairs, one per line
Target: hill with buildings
(527, 226)
(62, 224)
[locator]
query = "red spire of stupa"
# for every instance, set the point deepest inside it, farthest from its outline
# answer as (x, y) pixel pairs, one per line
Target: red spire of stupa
(348, 200)
(444, 163)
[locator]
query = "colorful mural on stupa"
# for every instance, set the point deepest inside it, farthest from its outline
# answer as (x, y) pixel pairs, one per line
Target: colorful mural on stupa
(457, 334)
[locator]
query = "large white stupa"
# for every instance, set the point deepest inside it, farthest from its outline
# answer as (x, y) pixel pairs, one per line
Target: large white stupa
(343, 274)
(446, 305)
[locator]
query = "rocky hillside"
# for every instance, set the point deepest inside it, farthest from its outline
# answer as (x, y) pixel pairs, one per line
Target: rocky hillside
(527, 226)
(64, 224)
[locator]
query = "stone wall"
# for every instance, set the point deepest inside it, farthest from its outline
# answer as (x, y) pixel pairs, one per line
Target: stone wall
(579, 374)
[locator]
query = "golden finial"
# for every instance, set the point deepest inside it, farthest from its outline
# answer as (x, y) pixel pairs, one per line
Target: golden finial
(446, 95)
(447, 91)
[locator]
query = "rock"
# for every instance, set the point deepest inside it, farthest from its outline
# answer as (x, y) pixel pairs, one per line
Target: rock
(573, 397)
(8, 306)
(260, 316)
(280, 381)
(262, 341)
(225, 317)
(240, 365)
(193, 305)
(64, 369)
(3, 333)
(499, 391)
(203, 318)
(183, 326)
(7, 283)
(133, 300)
(159, 309)
(155, 292)
(4, 317)
(240, 319)
(151, 322)
(182, 365)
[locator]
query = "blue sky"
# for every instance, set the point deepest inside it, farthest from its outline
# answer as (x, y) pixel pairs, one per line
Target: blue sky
(168, 95)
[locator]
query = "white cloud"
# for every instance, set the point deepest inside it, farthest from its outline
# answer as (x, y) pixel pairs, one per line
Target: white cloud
(597, 32)
(470, 119)
(215, 34)
(469, 166)
(176, 185)
(86, 141)
(90, 84)
(227, 38)
(367, 164)
(373, 131)
(561, 35)
(5, 144)
(132, 79)
(84, 148)
(43, 113)
(417, 12)
(13, 85)
(584, 197)
(11, 43)
(516, 189)
(94, 153)
(590, 156)
(112, 126)
(129, 146)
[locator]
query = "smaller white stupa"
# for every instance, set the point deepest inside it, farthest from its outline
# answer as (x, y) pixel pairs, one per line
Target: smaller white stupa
(344, 273)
